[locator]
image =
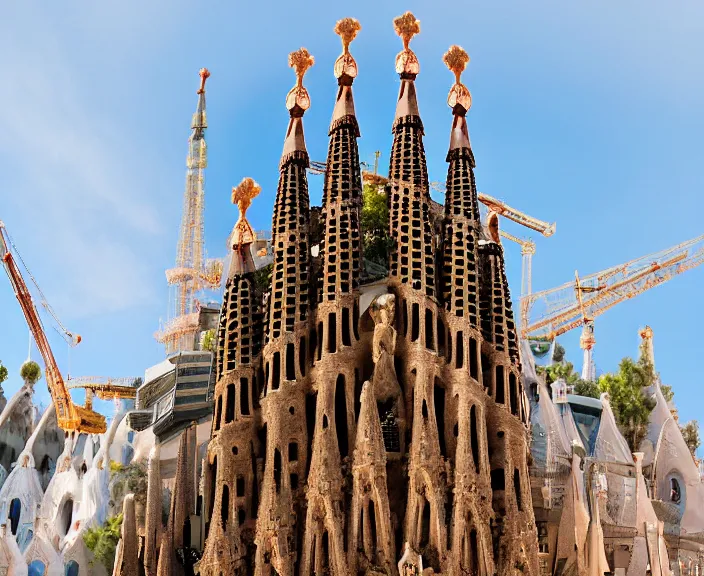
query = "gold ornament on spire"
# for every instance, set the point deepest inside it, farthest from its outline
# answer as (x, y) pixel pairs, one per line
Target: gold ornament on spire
(204, 75)
(243, 195)
(346, 29)
(300, 61)
(407, 27)
(456, 60)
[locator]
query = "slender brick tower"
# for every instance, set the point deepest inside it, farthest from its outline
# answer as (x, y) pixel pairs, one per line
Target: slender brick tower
(335, 371)
(234, 488)
(285, 358)
(471, 537)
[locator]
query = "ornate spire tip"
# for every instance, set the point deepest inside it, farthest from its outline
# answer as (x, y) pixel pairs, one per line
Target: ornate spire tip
(243, 195)
(204, 75)
(345, 65)
(456, 60)
(407, 27)
(300, 61)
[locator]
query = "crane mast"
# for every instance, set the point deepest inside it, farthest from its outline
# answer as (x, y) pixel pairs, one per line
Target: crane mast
(70, 416)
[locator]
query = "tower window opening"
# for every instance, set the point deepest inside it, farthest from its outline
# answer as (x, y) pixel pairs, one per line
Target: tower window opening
(290, 362)
(439, 401)
(404, 314)
(341, 416)
(513, 393)
(292, 451)
(224, 505)
(213, 485)
(517, 488)
(311, 403)
(239, 486)
(486, 375)
(425, 525)
(244, 396)
(332, 332)
(320, 340)
(230, 404)
(473, 360)
(218, 413)
(474, 436)
(459, 355)
(277, 469)
(675, 491)
(441, 337)
(500, 385)
(415, 322)
(276, 371)
(346, 332)
(14, 516)
(372, 524)
(429, 327)
(302, 357)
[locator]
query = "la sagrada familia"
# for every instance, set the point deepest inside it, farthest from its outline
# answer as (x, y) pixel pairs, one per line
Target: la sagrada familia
(383, 434)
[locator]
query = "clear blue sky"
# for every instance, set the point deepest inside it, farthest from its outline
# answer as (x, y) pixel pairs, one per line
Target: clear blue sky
(585, 113)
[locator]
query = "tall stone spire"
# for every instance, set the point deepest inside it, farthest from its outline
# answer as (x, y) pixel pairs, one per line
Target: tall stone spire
(152, 528)
(337, 317)
(128, 561)
(460, 278)
(412, 258)
(285, 354)
(233, 474)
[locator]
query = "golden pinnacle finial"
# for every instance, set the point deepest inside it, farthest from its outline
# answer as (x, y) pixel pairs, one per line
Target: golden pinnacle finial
(646, 333)
(456, 60)
(300, 61)
(407, 27)
(242, 195)
(204, 75)
(345, 65)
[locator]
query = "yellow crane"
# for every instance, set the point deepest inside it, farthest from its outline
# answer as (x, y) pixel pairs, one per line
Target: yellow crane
(70, 416)
(105, 388)
(558, 310)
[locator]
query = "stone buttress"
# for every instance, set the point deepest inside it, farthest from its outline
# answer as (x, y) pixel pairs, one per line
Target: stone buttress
(233, 475)
(337, 352)
(470, 538)
(279, 522)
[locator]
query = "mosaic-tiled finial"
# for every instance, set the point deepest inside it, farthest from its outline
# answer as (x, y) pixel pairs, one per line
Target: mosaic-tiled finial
(456, 60)
(300, 61)
(407, 27)
(347, 30)
(204, 75)
(243, 195)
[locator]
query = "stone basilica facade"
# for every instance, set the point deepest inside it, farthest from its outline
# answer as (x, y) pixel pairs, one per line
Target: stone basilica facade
(364, 427)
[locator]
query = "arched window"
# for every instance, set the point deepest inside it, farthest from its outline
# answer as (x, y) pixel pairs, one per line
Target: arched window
(230, 404)
(675, 493)
(36, 568)
(14, 516)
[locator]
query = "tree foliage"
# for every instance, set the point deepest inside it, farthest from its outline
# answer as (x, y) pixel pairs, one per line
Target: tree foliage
(667, 392)
(208, 341)
(631, 407)
(30, 372)
(102, 541)
(3, 373)
(262, 279)
(132, 477)
(375, 225)
(690, 433)
(560, 369)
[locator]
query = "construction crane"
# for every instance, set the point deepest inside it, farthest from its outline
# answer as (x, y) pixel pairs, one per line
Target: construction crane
(70, 416)
(558, 310)
(105, 388)
(192, 272)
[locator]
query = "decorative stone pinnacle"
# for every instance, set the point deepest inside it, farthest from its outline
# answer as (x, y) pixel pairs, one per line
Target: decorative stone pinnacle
(345, 65)
(456, 60)
(243, 195)
(647, 332)
(204, 75)
(407, 27)
(300, 61)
